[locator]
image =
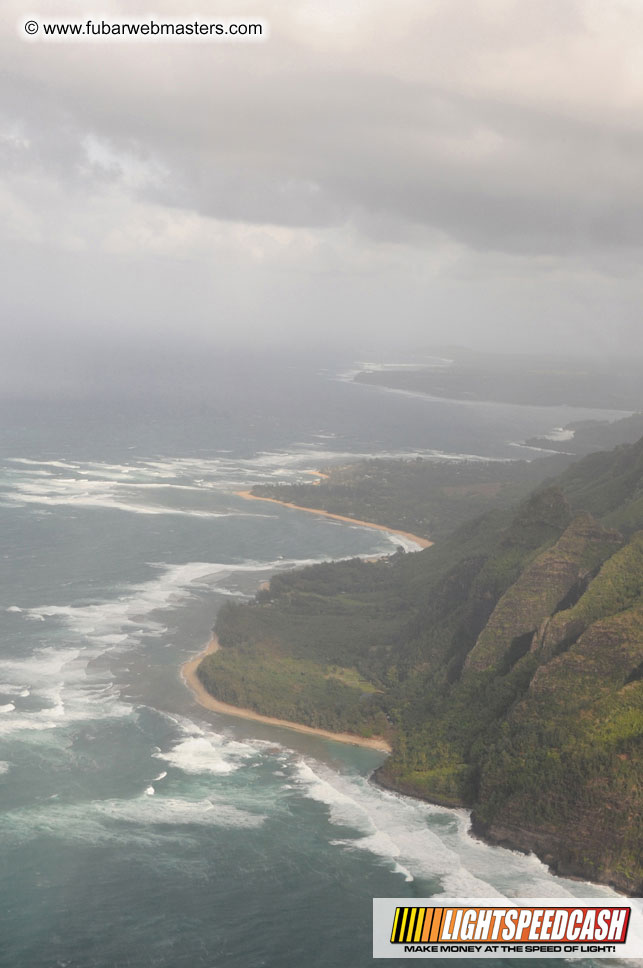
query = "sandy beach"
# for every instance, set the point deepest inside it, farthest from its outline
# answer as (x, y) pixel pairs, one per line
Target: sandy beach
(318, 474)
(422, 542)
(189, 676)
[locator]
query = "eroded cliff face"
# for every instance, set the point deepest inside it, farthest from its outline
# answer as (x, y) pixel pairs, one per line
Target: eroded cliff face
(565, 778)
(505, 664)
(585, 856)
(617, 586)
(541, 732)
(546, 582)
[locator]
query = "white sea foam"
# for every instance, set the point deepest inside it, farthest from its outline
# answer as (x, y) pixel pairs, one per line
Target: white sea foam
(538, 450)
(63, 679)
(401, 541)
(68, 689)
(101, 494)
(206, 812)
(421, 840)
(66, 465)
(281, 463)
(150, 791)
(13, 608)
(161, 776)
(8, 707)
(143, 820)
(206, 752)
(112, 622)
(359, 366)
(26, 725)
(128, 618)
(560, 433)
(4, 767)
(97, 484)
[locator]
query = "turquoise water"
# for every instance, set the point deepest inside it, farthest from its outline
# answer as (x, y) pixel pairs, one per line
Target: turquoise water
(138, 829)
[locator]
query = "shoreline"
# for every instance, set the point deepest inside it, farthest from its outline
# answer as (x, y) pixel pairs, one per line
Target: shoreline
(476, 831)
(523, 842)
(318, 474)
(422, 542)
(203, 697)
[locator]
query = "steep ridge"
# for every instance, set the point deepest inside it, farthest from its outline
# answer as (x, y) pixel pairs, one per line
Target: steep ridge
(542, 585)
(616, 587)
(563, 776)
(504, 664)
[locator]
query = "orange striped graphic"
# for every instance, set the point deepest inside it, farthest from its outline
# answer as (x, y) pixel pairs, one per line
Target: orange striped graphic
(510, 925)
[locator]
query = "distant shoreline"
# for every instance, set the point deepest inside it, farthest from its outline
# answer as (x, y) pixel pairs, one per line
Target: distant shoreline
(204, 698)
(422, 542)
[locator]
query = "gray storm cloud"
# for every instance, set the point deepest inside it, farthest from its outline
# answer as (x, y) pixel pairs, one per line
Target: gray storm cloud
(429, 170)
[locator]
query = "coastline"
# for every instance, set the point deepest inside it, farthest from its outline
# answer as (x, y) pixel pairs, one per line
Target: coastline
(422, 542)
(477, 831)
(203, 697)
(521, 840)
(318, 474)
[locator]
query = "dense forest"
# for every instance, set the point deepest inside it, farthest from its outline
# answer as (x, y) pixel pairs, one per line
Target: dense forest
(433, 497)
(504, 664)
(429, 498)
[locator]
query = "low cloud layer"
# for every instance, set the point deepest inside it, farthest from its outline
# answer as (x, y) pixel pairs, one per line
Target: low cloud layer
(461, 170)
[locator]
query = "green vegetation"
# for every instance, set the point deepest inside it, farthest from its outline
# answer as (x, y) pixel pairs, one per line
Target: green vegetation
(429, 498)
(534, 596)
(432, 498)
(298, 690)
(505, 664)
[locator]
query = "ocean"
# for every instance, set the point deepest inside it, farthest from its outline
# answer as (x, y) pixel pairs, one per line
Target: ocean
(137, 828)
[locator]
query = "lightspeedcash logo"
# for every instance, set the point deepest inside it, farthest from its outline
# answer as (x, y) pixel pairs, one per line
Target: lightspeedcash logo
(567, 927)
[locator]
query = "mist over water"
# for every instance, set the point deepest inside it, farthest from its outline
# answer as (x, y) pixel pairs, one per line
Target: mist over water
(202, 239)
(137, 828)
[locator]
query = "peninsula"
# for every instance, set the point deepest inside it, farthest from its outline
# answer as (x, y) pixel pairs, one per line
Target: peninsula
(504, 665)
(189, 674)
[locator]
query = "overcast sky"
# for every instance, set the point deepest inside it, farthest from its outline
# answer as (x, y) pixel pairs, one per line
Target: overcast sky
(423, 171)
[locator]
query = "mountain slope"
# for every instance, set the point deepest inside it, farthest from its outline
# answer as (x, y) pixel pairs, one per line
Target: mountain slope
(504, 663)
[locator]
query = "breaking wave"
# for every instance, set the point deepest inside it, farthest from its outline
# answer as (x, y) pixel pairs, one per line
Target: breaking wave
(420, 840)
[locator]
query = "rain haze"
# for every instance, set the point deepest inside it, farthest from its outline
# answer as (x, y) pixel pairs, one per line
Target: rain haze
(375, 176)
(321, 464)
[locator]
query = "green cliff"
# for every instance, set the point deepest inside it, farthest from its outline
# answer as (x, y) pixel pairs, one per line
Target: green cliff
(505, 664)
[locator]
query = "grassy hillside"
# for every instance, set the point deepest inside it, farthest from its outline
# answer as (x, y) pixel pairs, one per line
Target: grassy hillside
(505, 664)
(429, 498)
